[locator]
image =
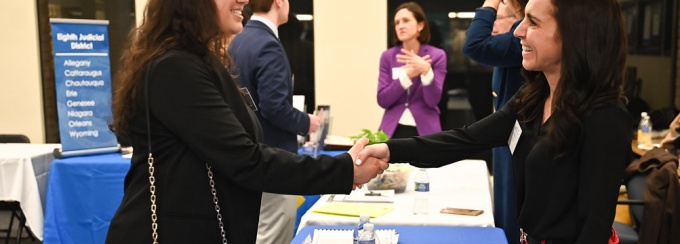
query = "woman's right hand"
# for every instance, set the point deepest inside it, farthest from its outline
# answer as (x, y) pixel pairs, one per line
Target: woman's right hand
(492, 3)
(414, 65)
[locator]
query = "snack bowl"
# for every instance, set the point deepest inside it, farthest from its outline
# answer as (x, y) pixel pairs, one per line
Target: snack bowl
(396, 177)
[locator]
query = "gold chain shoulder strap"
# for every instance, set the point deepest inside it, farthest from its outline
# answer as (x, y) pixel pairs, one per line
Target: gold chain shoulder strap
(152, 189)
(217, 205)
(152, 178)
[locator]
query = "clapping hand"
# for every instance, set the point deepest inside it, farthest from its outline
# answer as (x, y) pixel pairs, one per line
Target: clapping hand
(367, 168)
(414, 65)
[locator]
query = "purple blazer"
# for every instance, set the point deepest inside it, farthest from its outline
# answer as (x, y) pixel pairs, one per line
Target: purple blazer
(423, 99)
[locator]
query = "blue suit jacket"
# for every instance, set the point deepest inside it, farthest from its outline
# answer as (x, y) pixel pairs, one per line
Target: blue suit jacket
(263, 68)
(503, 51)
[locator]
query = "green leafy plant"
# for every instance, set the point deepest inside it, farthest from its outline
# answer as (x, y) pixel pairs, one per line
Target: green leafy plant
(373, 136)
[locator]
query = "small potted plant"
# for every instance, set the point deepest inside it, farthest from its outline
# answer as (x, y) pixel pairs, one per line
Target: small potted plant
(373, 137)
(396, 177)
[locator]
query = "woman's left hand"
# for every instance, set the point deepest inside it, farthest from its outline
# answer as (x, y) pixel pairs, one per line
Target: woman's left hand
(414, 65)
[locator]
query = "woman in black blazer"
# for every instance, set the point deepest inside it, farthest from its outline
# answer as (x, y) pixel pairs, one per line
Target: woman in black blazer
(567, 127)
(204, 139)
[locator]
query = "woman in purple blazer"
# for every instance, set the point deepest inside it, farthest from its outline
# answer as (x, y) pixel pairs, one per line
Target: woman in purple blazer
(411, 77)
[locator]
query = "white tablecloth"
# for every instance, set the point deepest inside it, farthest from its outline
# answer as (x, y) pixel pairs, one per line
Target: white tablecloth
(23, 176)
(464, 184)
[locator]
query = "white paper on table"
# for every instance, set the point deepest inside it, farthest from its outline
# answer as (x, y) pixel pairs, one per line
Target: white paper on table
(360, 196)
(336, 236)
(308, 240)
(299, 102)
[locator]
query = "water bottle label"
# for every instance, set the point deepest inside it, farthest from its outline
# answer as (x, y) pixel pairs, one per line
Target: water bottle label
(645, 129)
(422, 187)
(367, 241)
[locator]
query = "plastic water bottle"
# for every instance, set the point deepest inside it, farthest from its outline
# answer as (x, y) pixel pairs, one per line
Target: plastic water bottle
(363, 219)
(422, 192)
(644, 135)
(367, 236)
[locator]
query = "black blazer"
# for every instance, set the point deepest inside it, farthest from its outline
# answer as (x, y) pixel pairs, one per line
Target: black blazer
(264, 69)
(198, 117)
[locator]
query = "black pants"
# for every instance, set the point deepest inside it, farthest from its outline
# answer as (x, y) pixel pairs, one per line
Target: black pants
(405, 131)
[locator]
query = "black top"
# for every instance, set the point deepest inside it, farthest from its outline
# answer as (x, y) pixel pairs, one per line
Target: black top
(198, 116)
(570, 199)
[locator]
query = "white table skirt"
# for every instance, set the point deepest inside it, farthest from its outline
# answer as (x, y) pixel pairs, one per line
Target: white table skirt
(24, 169)
(464, 184)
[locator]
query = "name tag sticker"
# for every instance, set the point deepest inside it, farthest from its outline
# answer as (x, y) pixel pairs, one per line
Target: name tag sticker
(514, 137)
(248, 98)
(396, 72)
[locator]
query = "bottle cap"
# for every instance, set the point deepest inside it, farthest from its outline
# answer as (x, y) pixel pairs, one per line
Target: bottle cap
(368, 227)
(364, 217)
(643, 114)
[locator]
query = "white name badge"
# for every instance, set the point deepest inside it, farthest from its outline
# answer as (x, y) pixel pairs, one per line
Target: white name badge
(396, 72)
(514, 137)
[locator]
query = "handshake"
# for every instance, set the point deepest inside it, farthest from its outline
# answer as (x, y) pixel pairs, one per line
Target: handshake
(369, 161)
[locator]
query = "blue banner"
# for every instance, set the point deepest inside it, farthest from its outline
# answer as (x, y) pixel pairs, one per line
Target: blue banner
(83, 83)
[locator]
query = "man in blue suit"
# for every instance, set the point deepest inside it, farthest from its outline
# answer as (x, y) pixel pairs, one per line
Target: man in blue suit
(263, 69)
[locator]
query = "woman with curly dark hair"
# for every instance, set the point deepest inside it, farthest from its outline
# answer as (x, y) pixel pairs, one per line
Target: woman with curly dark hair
(567, 127)
(198, 167)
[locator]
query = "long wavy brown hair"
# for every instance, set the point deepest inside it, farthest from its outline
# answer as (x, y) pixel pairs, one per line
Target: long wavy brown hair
(190, 25)
(593, 69)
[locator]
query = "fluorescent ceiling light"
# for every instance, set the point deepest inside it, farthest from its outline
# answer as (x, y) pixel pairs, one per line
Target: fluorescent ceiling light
(466, 15)
(304, 17)
(461, 15)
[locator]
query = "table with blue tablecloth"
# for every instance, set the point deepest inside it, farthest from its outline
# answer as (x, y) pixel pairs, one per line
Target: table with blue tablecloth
(84, 192)
(425, 234)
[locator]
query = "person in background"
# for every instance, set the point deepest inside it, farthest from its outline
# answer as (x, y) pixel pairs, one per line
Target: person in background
(567, 126)
(265, 71)
(506, 17)
(199, 166)
(411, 77)
(490, 41)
